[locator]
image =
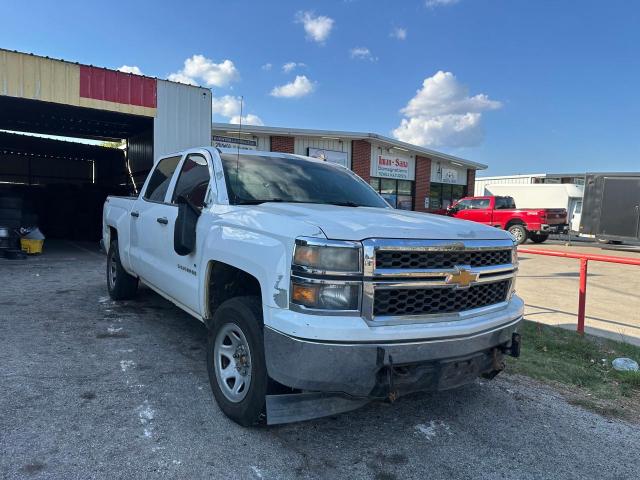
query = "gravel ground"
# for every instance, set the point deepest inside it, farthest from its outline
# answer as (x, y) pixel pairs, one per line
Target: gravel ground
(95, 389)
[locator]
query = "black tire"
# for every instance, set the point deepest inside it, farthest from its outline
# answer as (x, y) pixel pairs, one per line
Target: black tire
(538, 237)
(120, 284)
(519, 233)
(244, 313)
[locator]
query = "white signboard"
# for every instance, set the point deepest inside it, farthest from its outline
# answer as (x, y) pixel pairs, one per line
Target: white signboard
(442, 172)
(393, 166)
(233, 142)
(449, 175)
(332, 156)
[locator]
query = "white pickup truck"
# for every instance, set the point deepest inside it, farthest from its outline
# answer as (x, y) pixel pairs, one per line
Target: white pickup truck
(318, 296)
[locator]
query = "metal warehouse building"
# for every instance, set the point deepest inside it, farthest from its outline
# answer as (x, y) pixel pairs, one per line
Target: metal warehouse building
(408, 176)
(62, 183)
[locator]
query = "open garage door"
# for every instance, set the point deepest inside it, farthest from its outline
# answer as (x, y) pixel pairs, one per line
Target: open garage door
(61, 181)
(60, 185)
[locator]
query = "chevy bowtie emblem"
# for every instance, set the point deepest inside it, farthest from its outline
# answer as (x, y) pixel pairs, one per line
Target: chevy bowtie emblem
(462, 278)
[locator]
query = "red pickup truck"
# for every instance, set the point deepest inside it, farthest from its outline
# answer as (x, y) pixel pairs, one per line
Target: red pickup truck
(533, 223)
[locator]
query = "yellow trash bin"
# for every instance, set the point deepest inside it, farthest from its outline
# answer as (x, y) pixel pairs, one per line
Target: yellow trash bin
(31, 247)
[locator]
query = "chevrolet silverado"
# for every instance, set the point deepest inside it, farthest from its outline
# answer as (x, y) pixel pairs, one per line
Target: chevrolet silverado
(317, 295)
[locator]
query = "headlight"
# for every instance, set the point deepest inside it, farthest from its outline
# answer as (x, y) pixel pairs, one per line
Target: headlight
(325, 256)
(325, 296)
(514, 256)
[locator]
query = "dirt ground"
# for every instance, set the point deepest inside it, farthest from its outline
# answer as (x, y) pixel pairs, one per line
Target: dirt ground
(96, 389)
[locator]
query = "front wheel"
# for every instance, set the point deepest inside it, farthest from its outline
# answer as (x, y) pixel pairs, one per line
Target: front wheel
(538, 237)
(235, 360)
(519, 233)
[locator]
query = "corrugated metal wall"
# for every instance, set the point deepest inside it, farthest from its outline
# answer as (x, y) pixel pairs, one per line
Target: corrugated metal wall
(113, 86)
(40, 78)
(264, 143)
(183, 118)
(481, 183)
(301, 145)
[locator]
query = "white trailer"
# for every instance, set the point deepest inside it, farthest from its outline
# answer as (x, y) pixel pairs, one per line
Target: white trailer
(542, 195)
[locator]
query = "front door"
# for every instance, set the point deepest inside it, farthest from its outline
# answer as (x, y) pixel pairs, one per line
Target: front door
(183, 271)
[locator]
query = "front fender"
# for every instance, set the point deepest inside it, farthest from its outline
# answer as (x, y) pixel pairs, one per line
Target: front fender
(266, 257)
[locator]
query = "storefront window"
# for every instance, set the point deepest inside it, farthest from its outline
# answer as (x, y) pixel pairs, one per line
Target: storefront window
(399, 193)
(444, 194)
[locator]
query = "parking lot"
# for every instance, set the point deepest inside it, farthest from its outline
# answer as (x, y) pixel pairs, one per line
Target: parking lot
(549, 286)
(95, 389)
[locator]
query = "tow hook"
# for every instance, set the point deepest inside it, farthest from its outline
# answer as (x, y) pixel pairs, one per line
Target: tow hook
(514, 349)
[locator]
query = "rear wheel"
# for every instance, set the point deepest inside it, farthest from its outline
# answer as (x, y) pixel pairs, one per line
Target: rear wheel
(519, 233)
(235, 360)
(120, 284)
(538, 237)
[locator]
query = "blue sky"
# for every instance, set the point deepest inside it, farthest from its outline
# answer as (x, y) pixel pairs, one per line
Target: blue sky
(523, 86)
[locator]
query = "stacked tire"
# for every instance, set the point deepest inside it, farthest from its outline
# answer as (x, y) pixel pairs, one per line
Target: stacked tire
(10, 219)
(10, 212)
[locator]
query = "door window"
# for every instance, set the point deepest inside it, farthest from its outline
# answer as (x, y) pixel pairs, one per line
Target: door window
(399, 193)
(443, 195)
(505, 203)
(160, 178)
(480, 203)
(193, 181)
(463, 205)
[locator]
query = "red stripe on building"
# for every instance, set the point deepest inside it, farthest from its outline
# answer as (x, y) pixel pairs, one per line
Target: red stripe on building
(118, 87)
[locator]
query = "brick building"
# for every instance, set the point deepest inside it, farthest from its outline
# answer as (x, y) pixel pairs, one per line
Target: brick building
(408, 176)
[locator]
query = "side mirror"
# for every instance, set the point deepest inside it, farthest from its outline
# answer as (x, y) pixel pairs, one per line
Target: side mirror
(184, 233)
(452, 210)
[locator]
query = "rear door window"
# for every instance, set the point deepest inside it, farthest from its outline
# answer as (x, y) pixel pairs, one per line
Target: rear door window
(160, 179)
(503, 203)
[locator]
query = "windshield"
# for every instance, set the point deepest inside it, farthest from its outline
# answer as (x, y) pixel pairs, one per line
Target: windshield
(278, 179)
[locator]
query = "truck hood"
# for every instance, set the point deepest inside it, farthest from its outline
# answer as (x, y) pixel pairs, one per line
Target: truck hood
(358, 223)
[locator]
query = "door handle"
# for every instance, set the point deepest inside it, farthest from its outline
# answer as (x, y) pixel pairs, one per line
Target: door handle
(135, 214)
(162, 220)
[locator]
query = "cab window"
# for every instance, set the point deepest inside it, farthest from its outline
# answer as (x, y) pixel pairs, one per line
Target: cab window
(505, 203)
(463, 204)
(160, 178)
(480, 203)
(193, 181)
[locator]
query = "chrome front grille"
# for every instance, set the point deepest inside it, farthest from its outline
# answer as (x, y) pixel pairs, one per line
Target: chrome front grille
(429, 301)
(437, 280)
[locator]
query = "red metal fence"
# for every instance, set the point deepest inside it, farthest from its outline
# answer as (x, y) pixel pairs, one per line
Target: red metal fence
(584, 263)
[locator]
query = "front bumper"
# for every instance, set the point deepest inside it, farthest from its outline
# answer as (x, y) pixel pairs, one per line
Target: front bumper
(374, 369)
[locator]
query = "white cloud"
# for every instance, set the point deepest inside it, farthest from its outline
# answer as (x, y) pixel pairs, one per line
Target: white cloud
(267, 67)
(229, 106)
(399, 33)
(442, 114)
(440, 3)
(131, 69)
(291, 66)
(300, 87)
(201, 70)
(317, 27)
(362, 53)
(250, 119)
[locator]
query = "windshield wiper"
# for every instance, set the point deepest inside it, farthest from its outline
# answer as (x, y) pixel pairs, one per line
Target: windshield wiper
(344, 204)
(267, 200)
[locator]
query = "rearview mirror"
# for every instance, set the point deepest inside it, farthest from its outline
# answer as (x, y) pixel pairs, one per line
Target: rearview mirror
(184, 233)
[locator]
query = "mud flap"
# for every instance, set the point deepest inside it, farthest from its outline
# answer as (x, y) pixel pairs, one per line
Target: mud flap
(297, 407)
